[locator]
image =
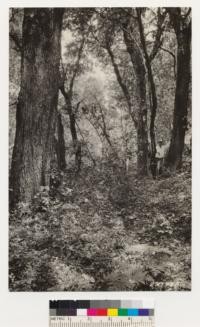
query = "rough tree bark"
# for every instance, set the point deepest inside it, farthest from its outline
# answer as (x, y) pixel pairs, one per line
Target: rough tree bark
(37, 103)
(182, 28)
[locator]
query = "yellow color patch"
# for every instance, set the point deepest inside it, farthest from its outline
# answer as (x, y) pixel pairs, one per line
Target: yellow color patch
(112, 312)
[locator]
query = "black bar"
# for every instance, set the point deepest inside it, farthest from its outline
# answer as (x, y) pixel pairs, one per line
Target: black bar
(83, 304)
(53, 304)
(67, 304)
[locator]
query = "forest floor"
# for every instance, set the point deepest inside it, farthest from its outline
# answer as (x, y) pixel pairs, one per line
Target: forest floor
(104, 230)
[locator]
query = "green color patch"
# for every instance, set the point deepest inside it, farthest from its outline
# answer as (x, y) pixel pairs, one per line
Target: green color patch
(122, 312)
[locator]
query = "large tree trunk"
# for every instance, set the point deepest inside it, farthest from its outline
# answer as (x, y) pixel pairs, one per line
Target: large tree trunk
(183, 34)
(37, 103)
(140, 99)
(60, 144)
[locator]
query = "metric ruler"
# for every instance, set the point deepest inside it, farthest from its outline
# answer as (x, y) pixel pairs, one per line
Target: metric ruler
(101, 321)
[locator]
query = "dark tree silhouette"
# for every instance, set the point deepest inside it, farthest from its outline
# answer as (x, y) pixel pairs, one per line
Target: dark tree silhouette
(60, 143)
(182, 27)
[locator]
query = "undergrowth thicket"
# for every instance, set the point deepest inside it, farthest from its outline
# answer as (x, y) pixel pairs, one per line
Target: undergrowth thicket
(103, 230)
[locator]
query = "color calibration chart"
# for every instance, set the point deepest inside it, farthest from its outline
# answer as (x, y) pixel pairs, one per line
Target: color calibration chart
(101, 313)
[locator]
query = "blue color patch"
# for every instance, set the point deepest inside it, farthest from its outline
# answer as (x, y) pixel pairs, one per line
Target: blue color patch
(133, 312)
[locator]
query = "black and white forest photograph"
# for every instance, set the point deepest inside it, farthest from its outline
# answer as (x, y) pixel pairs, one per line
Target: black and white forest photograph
(100, 146)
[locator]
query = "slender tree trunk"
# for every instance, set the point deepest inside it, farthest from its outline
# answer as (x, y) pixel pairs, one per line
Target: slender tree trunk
(88, 150)
(72, 120)
(121, 83)
(76, 143)
(183, 34)
(140, 117)
(153, 95)
(37, 103)
(140, 98)
(60, 144)
(142, 140)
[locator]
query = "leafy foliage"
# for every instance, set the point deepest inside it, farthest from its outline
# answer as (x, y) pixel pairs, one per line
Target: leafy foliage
(109, 235)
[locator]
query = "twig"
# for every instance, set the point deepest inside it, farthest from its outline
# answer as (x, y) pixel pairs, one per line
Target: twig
(13, 104)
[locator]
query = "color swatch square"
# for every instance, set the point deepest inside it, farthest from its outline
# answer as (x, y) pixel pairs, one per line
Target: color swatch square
(101, 312)
(91, 312)
(112, 312)
(122, 312)
(81, 312)
(133, 312)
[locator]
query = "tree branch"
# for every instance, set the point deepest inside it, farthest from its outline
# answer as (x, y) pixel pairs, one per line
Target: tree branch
(77, 65)
(13, 103)
(121, 83)
(160, 29)
(174, 57)
(187, 14)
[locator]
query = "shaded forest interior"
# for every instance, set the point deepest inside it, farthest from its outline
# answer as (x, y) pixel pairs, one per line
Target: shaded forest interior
(100, 149)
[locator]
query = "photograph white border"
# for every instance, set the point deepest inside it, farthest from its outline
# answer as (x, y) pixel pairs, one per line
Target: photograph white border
(173, 309)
